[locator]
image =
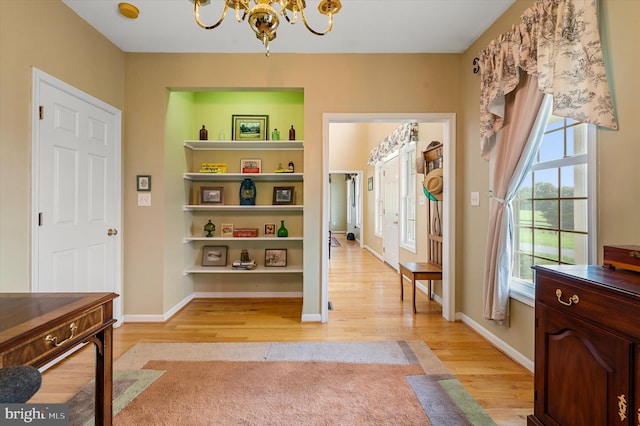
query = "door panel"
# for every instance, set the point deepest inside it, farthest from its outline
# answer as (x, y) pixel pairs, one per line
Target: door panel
(391, 212)
(77, 194)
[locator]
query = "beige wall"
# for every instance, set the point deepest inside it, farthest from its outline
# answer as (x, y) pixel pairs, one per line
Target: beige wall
(49, 36)
(60, 43)
(618, 152)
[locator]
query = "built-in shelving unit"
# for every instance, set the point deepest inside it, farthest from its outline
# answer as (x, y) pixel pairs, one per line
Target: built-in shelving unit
(253, 216)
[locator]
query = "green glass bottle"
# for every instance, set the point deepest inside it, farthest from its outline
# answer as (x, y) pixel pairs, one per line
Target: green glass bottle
(282, 232)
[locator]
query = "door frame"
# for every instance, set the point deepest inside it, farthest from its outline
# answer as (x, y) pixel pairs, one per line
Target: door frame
(39, 76)
(448, 120)
(360, 203)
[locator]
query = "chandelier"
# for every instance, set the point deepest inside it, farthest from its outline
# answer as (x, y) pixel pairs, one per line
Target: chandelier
(263, 18)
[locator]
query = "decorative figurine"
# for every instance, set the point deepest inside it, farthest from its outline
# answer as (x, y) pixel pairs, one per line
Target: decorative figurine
(244, 256)
(209, 227)
(292, 133)
(247, 193)
(204, 134)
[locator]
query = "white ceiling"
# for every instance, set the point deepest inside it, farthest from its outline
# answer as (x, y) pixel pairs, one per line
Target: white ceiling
(362, 26)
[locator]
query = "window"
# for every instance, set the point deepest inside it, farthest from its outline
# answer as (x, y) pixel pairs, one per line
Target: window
(408, 196)
(378, 209)
(552, 209)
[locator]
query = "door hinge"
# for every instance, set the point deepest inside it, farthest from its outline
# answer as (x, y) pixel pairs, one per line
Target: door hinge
(40, 219)
(41, 112)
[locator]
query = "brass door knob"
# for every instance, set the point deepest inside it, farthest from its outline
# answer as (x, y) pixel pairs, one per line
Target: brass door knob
(111, 232)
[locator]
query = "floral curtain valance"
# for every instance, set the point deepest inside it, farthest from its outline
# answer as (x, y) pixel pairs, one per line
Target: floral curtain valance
(558, 42)
(396, 140)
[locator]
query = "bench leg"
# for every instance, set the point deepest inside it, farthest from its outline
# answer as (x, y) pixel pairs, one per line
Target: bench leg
(413, 283)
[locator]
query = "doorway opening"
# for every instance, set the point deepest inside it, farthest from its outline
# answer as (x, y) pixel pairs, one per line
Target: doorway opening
(448, 122)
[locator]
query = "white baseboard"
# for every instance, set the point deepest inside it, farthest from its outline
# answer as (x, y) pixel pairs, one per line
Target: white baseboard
(311, 318)
(373, 252)
(498, 343)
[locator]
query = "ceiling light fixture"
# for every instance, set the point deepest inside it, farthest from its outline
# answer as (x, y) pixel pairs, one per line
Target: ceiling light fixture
(263, 18)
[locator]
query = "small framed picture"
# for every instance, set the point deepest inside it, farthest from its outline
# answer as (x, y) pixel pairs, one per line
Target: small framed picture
(283, 195)
(370, 184)
(214, 256)
(143, 183)
(226, 229)
(250, 127)
(275, 257)
(211, 195)
(269, 229)
(251, 166)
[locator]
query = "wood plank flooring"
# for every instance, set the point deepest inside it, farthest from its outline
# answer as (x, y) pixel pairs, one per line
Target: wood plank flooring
(365, 295)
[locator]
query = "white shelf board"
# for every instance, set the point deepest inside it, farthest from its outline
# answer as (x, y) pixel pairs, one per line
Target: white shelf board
(196, 207)
(293, 269)
(279, 239)
(197, 145)
(236, 177)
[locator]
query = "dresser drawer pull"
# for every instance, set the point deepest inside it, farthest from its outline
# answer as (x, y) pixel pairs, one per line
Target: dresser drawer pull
(54, 340)
(572, 300)
(622, 407)
(634, 254)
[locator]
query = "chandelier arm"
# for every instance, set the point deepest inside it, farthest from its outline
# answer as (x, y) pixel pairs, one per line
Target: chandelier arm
(306, 24)
(196, 12)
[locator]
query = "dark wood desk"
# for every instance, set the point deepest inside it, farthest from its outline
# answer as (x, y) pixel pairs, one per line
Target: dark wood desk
(36, 328)
(419, 271)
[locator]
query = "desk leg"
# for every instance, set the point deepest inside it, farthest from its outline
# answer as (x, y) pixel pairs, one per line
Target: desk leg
(104, 378)
(401, 286)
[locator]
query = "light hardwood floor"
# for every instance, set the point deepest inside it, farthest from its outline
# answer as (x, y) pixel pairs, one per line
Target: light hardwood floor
(365, 294)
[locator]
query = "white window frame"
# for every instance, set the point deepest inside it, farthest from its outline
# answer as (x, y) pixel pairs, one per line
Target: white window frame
(408, 197)
(524, 291)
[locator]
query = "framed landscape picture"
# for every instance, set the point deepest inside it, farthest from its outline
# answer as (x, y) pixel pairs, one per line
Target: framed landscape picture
(250, 127)
(214, 256)
(283, 195)
(211, 195)
(275, 257)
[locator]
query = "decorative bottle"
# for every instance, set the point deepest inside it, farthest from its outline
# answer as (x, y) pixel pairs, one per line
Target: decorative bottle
(282, 232)
(291, 167)
(209, 227)
(292, 133)
(275, 135)
(204, 134)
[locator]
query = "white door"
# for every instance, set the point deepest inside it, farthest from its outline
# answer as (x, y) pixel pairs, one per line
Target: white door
(76, 238)
(390, 213)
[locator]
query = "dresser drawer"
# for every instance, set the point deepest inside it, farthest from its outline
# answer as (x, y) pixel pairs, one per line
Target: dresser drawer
(56, 339)
(587, 301)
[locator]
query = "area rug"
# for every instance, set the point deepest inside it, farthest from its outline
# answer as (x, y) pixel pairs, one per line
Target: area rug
(301, 383)
(334, 242)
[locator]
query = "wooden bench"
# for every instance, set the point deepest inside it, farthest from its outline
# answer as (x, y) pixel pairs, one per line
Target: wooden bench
(419, 271)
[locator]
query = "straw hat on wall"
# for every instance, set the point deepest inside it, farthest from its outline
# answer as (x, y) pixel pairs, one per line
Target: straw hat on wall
(433, 184)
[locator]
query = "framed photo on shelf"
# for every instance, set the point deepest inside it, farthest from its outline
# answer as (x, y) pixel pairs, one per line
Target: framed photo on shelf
(275, 257)
(211, 195)
(143, 183)
(251, 166)
(226, 229)
(214, 255)
(283, 195)
(269, 229)
(250, 127)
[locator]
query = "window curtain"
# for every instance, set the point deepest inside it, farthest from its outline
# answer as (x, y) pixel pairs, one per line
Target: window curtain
(556, 50)
(510, 160)
(401, 136)
(558, 42)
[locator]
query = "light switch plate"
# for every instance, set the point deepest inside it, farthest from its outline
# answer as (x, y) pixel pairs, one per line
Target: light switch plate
(475, 198)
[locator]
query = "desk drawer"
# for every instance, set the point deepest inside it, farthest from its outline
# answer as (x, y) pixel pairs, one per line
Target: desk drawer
(56, 339)
(587, 301)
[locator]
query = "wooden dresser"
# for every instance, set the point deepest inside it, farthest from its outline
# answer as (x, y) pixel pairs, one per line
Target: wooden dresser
(587, 346)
